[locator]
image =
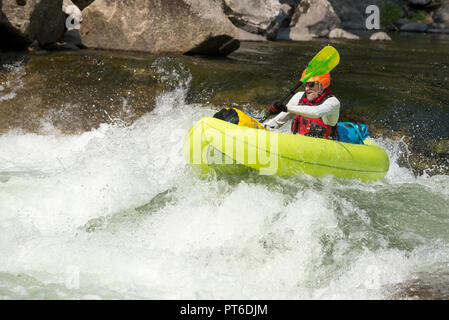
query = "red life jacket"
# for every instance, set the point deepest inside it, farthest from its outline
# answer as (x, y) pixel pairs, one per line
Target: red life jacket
(313, 127)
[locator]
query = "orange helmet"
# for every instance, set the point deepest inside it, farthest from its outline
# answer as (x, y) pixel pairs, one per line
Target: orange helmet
(324, 79)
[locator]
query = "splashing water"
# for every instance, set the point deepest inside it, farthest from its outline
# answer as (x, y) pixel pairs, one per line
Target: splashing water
(13, 81)
(116, 213)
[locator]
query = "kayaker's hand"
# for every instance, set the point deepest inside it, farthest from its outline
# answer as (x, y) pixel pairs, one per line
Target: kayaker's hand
(277, 107)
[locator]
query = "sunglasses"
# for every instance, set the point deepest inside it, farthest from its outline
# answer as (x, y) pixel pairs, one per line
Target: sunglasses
(310, 84)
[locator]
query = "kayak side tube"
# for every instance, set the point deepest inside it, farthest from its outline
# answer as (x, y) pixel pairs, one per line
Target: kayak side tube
(215, 143)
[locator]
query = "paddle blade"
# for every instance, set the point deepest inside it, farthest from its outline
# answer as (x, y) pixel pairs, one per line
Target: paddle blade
(325, 61)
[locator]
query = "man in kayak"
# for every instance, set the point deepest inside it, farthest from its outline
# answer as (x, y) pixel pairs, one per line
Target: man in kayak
(315, 112)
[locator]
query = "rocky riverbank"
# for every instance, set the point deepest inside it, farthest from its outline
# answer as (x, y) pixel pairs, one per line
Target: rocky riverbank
(209, 27)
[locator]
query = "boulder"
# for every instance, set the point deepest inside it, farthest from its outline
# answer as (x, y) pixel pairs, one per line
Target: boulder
(338, 33)
(159, 26)
(73, 37)
(247, 36)
(380, 36)
(440, 31)
(312, 19)
(288, 11)
(441, 16)
(414, 27)
(350, 13)
(262, 17)
(24, 21)
(419, 3)
(62, 46)
(281, 21)
(402, 21)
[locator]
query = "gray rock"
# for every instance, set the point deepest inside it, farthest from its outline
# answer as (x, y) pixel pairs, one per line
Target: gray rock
(402, 21)
(312, 19)
(440, 31)
(262, 17)
(252, 15)
(247, 36)
(284, 34)
(338, 33)
(441, 15)
(419, 3)
(288, 10)
(159, 26)
(33, 46)
(380, 36)
(25, 21)
(61, 46)
(350, 14)
(281, 21)
(73, 36)
(414, 27)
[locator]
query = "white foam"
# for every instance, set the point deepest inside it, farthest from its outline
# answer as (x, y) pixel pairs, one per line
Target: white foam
(214, 238)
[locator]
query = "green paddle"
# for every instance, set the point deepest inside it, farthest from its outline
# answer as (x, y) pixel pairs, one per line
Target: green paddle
(325, 61)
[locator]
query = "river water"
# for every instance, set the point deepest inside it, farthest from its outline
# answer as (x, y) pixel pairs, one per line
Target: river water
(96, 201)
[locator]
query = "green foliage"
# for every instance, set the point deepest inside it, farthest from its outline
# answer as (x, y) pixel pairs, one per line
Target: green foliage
(419, 16)
(390, 12)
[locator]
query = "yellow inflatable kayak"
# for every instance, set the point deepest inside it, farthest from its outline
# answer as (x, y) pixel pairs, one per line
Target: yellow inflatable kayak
(216, 144)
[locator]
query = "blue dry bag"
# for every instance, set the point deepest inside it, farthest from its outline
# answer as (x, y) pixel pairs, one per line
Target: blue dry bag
(352, 132)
